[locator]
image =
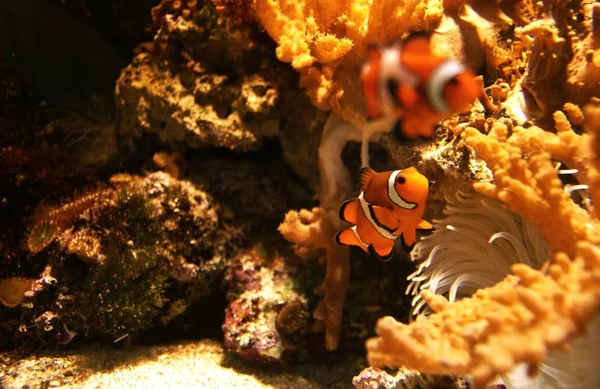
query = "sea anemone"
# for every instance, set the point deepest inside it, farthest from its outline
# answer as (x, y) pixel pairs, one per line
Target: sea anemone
(474, 247)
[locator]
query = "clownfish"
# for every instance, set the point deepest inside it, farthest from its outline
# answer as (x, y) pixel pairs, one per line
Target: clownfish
(390, 204)
(408, 81)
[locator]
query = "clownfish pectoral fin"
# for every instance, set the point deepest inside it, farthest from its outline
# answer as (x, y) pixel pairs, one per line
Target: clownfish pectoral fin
(347, 237)
(384, 253)
(384, 218)
(407, 96)
(408, 127)
(413, 126)
(425, 225)
(408, 239)
(349, 210)
(365, 177)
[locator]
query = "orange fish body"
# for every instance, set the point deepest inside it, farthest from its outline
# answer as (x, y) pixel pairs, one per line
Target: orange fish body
(410, 82)
(391, 204)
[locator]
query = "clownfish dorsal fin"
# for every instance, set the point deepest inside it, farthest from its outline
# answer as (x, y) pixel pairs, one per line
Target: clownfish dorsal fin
(418, 42)
(366, 176)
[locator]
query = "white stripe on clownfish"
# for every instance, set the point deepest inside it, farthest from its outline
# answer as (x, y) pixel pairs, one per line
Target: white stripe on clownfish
(367, 211)
(391, 68)
(393, 194)
(353, 228)
(438, 80)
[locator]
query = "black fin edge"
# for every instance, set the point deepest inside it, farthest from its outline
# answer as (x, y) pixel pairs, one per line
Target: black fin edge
(379, 224)
(385, 258)
(342, 208)
(338, 241)
(406, 247)
(417, 34)
(363, 170)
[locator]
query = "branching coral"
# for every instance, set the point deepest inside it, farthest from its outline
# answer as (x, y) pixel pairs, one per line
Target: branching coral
(326, 41)
(483, 336)
(474, 247)
(316, 229)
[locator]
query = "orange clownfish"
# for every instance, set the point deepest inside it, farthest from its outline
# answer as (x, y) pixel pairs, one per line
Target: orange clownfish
(390, 204)
(407, 80)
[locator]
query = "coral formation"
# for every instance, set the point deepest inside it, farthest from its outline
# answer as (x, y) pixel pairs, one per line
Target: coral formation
(118, 259)
(204, 82)
(312, 230)
(472, 247)
(476, 230)
(374, 378)
(326, 42)
(135, 239)
(545, 307)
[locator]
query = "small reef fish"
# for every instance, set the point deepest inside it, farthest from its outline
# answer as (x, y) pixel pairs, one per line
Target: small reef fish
(408, 81)
(390, 204)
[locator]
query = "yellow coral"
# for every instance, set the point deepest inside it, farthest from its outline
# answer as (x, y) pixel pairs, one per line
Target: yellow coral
(326, 40)
(518, 320)
(483, 336)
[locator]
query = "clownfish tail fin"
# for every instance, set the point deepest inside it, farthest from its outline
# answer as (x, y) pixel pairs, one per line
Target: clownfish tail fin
(349, 210)
(366, 176)
(348, 237)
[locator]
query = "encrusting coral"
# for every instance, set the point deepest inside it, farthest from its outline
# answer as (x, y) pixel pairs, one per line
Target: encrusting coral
(482, 336)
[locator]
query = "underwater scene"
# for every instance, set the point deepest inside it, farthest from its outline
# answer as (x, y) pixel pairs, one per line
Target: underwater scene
(371, 194)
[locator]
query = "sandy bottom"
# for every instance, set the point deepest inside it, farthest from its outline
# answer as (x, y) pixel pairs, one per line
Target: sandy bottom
(201, 364)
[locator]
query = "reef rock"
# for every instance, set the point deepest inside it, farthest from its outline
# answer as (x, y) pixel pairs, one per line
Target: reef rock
(230, 98)
(117, 259)
(266, 316)
(374, 378)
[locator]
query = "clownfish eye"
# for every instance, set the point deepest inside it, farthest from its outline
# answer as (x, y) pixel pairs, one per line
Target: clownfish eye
(401, 180)
(453, 81)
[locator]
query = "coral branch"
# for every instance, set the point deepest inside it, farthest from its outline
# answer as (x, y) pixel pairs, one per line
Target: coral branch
(484, 336)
